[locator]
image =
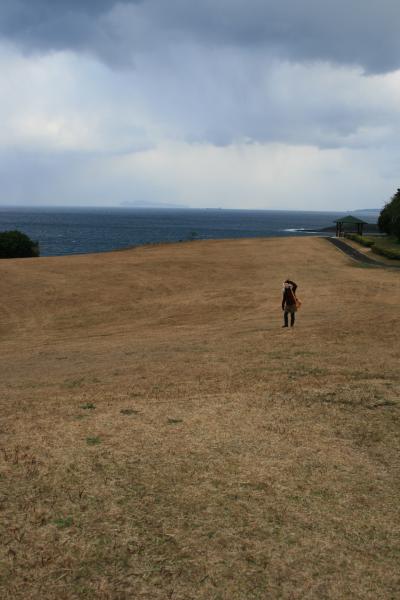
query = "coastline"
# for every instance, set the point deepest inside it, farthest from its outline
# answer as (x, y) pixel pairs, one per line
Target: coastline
(65, 232)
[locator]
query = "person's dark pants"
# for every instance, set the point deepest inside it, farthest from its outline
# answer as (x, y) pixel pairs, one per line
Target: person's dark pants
(286, 318)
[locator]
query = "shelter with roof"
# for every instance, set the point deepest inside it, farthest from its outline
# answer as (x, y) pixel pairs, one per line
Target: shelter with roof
(349, 223)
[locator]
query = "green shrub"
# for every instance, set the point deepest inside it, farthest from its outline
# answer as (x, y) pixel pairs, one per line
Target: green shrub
(15, 244)
(365, 241)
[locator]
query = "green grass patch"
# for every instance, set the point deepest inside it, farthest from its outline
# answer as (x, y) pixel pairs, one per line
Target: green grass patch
(384, 245)
(93, 441)
(63, 522)
(387, 246)
(88, 406)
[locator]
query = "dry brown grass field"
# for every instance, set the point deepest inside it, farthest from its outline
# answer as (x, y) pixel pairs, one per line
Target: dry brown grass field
(162, 437)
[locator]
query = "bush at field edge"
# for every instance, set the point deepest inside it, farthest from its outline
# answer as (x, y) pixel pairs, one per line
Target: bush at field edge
(15, 244)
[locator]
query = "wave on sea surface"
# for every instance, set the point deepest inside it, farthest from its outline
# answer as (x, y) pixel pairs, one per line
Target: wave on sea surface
(301, 230)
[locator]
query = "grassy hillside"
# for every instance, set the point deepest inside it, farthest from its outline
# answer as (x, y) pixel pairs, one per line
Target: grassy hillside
(163, 437)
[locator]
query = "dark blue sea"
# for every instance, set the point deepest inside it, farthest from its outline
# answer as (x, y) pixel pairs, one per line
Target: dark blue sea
(80, 231)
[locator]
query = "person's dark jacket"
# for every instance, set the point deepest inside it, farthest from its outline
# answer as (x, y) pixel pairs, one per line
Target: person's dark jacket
(289, 294)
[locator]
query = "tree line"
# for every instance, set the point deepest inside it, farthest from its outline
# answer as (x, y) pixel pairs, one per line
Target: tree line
(389, 218)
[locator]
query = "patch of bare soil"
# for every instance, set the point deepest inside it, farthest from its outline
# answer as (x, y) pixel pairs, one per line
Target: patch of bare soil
(162, 436)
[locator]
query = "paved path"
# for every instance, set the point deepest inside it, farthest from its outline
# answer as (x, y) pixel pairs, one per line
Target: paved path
(358, 256)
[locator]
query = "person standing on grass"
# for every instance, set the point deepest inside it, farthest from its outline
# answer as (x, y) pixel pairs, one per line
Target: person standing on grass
(289, 302)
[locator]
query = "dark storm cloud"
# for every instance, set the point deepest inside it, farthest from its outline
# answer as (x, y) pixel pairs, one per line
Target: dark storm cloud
(42, 25)
(21, 18)
(362, 32)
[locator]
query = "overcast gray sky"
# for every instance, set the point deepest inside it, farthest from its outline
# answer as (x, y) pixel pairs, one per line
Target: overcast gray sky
(216, 103)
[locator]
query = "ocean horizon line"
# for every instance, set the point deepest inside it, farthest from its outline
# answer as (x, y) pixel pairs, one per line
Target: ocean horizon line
(84, 230)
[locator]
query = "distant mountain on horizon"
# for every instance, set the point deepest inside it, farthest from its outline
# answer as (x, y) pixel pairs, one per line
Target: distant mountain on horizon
(368, 210)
